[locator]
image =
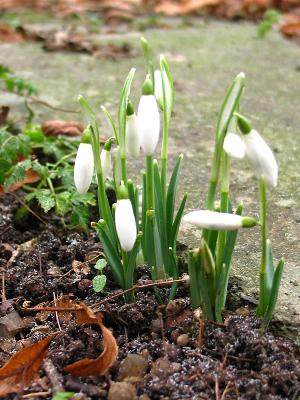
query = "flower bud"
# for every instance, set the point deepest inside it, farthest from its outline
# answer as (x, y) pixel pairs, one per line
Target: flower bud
(132, 133)
(205, 219)
(234, 146)
(84, 167)
(105, 158)
(125, 224)
(148, 123)
(261, 157)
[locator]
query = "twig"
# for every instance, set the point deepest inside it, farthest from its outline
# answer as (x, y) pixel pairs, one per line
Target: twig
(40, 261)
(54, 377)
(56, 313)
(28, 208)
(37, 394)
(3, 287)
(43, 102)
(140, 287)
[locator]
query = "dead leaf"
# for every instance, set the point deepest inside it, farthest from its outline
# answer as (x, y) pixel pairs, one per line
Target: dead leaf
(84, 315)
(58, 127)
(23, 367)
(7, 35)
(290, 26)
(80, 267)
(30, 177)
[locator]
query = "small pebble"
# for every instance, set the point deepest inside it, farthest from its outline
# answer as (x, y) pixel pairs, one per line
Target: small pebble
(183, 339)
(122, 391)
(134, 365)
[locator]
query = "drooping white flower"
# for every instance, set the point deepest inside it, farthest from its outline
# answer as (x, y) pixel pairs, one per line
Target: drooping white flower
(105, 158)
(205, 219)
(125, 224)
(234, 145)
(148, 123)
(84, 167)
(132, 136)
(261, 157)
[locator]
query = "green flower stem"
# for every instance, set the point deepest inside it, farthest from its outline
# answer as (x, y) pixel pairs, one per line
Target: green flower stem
(164, 153)
(225, 176)
(212, 188)
(149, 182)
(124, 169)
(50, 184)
(263, 266)
(129, 297)
(64, 158)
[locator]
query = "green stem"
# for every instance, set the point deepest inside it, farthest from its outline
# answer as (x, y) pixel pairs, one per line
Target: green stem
(129, 297)
(61, 160)
(211, 194)
(164, 151)
(149, 182)
(124, 170)
(263, 267)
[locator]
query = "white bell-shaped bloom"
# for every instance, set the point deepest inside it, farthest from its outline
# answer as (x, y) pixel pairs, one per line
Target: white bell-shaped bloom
(84, 167)
(125, 224)
(132, 136)
(148, 123)
(158, 88)
(105, 157)
(234, 146)
(261, 157)
(205, 219)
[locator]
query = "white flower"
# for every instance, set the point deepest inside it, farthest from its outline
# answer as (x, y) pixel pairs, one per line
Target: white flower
(205, 219)
(125, 224)
(261, 157)
(105, 158)
(84, 167)
(148, 123)
(158, 88)
(132, 136)
(234, 145)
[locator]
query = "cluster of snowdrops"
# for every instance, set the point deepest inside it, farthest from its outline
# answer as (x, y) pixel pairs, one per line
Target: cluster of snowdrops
(142, 226)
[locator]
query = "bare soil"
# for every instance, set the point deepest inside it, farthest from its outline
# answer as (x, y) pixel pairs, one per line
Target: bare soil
(161, 353)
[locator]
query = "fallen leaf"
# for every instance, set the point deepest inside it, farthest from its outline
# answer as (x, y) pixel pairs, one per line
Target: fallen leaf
(23, 367)
(58, 127)
(7, 35)
(84, 315)
(30, 177)
(80, 267)
(290, 26)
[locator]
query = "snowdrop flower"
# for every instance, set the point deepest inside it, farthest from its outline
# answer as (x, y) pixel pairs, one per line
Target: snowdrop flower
(105, 158)
(125, 224)
(234, 146)
(261, 157)
(205, 219)
(158, 88)
(132, 132)
(148, 119)
(84, 167)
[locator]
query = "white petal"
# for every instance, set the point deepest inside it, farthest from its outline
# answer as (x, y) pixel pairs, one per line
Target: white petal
(84, 167)
(148, 123)
(125, 224)
(261, 157)
(206, 219)
(132, 136)
(105, 163)
(234, 146)
(158, 89)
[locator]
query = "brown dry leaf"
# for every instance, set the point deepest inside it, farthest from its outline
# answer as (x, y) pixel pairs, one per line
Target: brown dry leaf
(23, 367)
(290, 26)
(98, 366)
(80, 267)
(30, 177)
(58, 127)
(183, 7)
(7, 35)
(84, 315)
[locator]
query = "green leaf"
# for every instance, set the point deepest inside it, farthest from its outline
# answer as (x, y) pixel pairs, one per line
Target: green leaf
(111, 253)
(123, 110)
(17, 173)
(4, 168)
(171, 196)
(100, 264)
(63, 395)
(176, 223)
(45, 199)
(63, 202)
(274, 292)
(111, 122)
(80, 217)
(168, 87)
(35, 134)
(132, 262)
(99, 283)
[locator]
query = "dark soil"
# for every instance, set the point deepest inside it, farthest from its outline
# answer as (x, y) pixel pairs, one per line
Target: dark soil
(160, 356)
